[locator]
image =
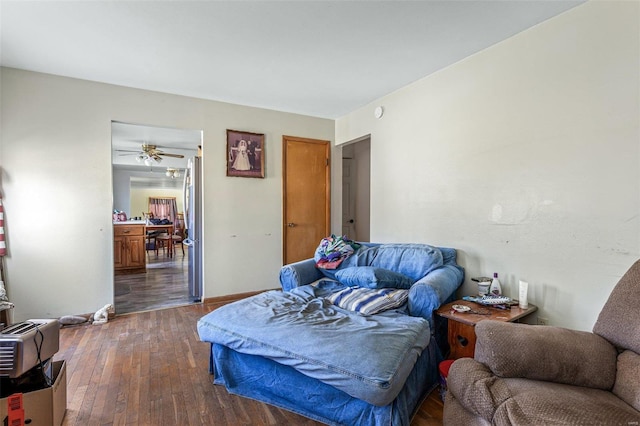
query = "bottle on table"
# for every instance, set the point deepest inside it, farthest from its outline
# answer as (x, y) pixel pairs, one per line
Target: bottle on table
(495, 289)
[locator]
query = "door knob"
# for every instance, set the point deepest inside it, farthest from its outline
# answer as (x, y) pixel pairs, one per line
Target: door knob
(291, 224)
(351, 221)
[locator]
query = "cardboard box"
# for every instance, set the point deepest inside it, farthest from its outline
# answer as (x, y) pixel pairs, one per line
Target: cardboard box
(44, 407)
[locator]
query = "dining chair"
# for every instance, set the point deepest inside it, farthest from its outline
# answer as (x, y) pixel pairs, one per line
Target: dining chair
(165, 241)
(151, 241)
(179, 231)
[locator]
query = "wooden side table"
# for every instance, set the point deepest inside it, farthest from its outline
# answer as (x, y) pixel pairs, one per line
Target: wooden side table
(461, 325)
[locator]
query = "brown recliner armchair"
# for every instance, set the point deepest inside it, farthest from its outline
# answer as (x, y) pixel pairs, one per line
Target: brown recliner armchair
(538, 375)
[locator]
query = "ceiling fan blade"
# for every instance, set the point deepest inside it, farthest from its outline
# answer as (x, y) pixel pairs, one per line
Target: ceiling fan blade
(171, 155)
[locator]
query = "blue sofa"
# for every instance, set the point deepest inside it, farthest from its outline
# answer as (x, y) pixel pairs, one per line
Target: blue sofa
(297, 350)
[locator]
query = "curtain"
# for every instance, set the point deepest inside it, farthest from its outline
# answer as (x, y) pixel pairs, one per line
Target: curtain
(163, 208)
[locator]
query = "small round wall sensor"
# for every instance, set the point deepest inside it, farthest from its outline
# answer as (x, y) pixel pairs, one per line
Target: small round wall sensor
(378, 112)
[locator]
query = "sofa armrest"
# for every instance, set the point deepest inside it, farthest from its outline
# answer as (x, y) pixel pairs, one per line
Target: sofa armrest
(476, 388)
(298, 274)
(545, 353)
(427, 294)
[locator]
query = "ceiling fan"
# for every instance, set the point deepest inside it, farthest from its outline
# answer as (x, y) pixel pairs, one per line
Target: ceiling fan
(150, 154)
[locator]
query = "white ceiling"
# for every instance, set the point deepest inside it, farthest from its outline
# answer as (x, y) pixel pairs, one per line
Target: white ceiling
(127, 140)
(126, 144)
(318, 58)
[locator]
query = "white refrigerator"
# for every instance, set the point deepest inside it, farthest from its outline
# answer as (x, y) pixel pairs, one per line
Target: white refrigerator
(192, 192)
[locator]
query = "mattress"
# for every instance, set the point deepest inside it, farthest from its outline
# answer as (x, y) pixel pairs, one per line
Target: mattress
(367, 357)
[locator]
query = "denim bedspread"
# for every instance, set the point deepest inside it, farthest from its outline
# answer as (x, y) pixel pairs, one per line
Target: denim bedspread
(368, 358)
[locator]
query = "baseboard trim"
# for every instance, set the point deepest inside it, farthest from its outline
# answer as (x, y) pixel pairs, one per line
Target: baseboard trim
(223, 300)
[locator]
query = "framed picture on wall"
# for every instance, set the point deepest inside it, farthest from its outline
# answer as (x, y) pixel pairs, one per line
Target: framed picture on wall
(245, 154)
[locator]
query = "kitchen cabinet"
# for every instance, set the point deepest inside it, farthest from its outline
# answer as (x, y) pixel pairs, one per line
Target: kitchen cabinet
(129, 248)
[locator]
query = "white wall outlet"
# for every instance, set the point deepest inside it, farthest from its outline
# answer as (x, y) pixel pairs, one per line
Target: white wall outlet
(543, 321)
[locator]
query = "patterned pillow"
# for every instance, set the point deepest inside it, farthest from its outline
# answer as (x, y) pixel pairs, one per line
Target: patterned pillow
(367, 301)
(372, 277)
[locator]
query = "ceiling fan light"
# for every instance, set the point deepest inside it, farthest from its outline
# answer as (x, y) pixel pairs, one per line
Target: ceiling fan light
(139, 158)
(173, 173)
(148, 161)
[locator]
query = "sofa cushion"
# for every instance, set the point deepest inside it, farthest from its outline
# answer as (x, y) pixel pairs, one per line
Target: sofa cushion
(368, 301)
(517, 401)
(372, 277)
(412, 260)
(542, 403)
(627, 386)
(618, 321)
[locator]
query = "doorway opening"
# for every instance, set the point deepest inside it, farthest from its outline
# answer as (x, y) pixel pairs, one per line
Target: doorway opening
(356, 189)
(156, 263)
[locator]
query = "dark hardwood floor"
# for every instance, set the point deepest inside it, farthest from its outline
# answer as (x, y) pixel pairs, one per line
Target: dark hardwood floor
(163, 285)
(150, 368)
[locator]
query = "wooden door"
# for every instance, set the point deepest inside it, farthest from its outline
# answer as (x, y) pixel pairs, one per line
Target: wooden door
(306, 179)
(348, 199)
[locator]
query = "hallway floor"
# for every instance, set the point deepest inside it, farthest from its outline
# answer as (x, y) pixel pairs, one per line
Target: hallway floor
(163, 285)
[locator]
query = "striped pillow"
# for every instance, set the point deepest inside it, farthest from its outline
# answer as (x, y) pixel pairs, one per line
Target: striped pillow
(368, 301)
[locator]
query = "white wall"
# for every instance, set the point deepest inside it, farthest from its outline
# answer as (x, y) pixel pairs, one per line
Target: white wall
(524, 156)
(133, 199)
(56, 177)
(140, 199)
